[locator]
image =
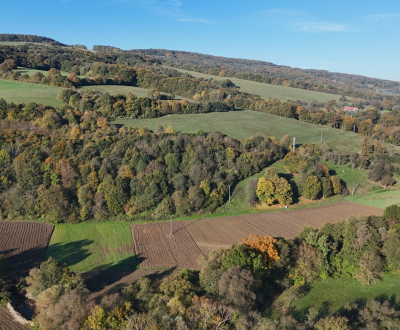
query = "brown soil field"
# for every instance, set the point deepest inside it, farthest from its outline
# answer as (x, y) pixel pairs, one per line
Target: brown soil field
(7, 322)
(154, 247)
(24, 244)
(290, 223)
(210, 234)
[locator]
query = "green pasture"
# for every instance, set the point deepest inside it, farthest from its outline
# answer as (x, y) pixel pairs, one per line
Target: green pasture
(378, 197)
(267, 91)
(121, 89)
(12, 43)
(329, 296)
(246, 123)
(117, 89)
(18, 92)
(93, 246)
(28, 71)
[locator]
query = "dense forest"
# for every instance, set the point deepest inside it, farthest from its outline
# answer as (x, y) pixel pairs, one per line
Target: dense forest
(65, 165)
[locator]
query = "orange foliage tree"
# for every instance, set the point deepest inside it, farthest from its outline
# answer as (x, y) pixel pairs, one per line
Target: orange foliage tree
(264, 245)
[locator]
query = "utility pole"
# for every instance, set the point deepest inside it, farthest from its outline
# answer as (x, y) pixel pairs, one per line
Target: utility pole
(354, 128)
(170, 225)
(352, 194)
(229, 193)
(294, 143)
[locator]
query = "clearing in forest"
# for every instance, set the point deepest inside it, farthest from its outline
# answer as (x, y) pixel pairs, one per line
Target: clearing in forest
(24, 244)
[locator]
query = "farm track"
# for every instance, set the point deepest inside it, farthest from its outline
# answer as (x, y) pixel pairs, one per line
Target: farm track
(8, 323)
(154, 247)
(24, 244)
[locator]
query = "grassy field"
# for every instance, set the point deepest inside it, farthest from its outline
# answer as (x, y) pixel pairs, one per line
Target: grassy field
(18, 92)
(120, 89)
(329, 296)
(28, 71)
(93, 246)
(267, 91)
(246, 123)
(378, 197)
(12, 43)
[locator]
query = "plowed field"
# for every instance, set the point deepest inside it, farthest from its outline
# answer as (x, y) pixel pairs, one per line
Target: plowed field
(154, 247)
(24, 244)
(8, 323)
(290, 223)
(210, 234)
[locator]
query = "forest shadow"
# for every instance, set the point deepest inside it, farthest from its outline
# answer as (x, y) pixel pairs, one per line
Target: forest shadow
(98, 279)
(70, 253)
(19, 264)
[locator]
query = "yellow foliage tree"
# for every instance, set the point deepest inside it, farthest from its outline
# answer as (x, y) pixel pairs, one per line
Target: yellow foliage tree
(264, 245)
(265, 190)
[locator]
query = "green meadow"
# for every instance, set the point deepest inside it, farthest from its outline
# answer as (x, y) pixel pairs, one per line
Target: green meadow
(329, 296)
(18, 92)
(246, 123)
(267, 91)
(93, 246)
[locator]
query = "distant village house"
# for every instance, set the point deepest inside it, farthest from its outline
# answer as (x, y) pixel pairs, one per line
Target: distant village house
(350, 109)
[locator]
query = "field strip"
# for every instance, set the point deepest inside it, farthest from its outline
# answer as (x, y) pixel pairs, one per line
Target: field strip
(24, 244)
(154, 247)
(290, 223)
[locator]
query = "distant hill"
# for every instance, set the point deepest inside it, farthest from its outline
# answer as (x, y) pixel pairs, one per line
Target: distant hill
(268, 72)
(29, 38)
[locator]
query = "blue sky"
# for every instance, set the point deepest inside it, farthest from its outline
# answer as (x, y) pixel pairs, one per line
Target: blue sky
(360, 37)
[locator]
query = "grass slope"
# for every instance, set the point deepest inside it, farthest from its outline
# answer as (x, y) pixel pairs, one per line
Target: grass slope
(93, 246)
(267, 91)
(329, 296)
(18, 92)
(245, 123)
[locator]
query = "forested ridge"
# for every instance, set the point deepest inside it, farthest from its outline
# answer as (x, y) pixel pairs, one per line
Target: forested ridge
(131, 69)
(267, 72)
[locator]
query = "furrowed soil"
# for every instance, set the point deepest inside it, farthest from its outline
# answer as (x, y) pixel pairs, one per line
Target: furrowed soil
(155, 248)
(290, 223)
(7, 321)
(210, 234)
(24, 244)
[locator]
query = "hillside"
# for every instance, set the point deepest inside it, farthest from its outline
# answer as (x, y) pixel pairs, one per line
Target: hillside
(219, 64)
